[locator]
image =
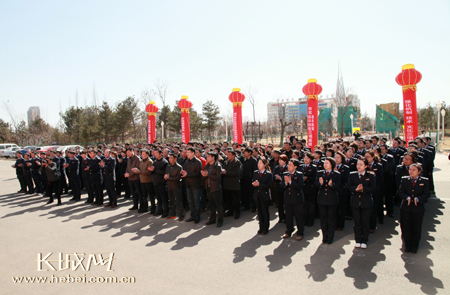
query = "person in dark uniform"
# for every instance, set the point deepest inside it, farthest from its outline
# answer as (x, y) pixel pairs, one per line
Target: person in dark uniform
(414, 191)
(212, 176)
(173, 177)
(231, 172)
(158, 169)
(133, 177)
(248, 167)
(279, 187)
(124, 184)
(35, 174)
(396, 151)
(403, 170)
(192, 179)
(377, 169)
(361, 185)
(318, 160)
(262, 180)
(19, 171)
(95, 177)
(350, 161)
(293, 199)
(327, 182)
(85, 176)
(344, 170)
(389, 190)
(52, 174)
(108, 165)
(62, 171)
(72, 166)
(27, 174)
(309, 190)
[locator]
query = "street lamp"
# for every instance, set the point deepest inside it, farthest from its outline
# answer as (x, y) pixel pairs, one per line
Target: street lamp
(226, 128)
(162, 131)
(443, 123)
(438, 106)
(351, 119)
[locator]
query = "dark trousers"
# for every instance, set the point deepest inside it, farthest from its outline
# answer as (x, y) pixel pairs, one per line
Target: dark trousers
(88, 188)
(97, 190)
(135, 190)
(342, 209)
(63, 183)
(28, 182)
(247, 194)
(377, 208)
(215, 205)
(161, 196)
(361, 224)
(263, 214)
(431, 180)
(327, 222)
(297, 211)
(176, 202)
(148, 193)
(411, 225)
(75, 186)
(389, 199)
(110, 185)
(193, 197)
(126, 187)
(37, 179)
(310, 209)
(280, 202)
(21, 181)
(53, 187)
(232, 202)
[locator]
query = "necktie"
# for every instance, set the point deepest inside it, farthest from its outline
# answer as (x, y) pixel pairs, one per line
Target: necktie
(260, 174)
(347, 161)
(414, 182)
(360, 178)
(328, 173)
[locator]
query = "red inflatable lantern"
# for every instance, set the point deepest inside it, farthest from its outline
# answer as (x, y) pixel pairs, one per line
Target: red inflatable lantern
(236, 97)
(408, 79)
(151, 109)
(185, 104)
(312, 90)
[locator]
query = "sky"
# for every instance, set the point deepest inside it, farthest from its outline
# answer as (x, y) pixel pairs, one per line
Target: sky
(52, 50)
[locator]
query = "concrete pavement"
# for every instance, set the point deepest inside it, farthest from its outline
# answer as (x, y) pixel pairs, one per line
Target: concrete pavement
(171, 257)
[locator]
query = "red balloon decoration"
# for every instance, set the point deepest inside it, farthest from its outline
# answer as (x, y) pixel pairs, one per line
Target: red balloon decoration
(185, 104)
(151, 109)
(236, 97)
(312, 90)
(408, 79)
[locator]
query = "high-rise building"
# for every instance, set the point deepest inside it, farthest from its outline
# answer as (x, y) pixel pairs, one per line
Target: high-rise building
(33, 113)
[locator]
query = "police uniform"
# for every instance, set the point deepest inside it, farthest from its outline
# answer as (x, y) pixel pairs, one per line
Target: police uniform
(377, 212)
(261, 196)
(72, 174)
(310, 193)
(294, 202)
(344, 170)
(109, 178)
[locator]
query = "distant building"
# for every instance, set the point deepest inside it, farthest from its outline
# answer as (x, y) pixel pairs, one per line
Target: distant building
(33, 113)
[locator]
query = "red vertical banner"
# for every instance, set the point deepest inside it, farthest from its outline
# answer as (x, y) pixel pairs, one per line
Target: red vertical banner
(185, 104)
(312, 91)
(151, 109)
(408, 79)
(236, 97)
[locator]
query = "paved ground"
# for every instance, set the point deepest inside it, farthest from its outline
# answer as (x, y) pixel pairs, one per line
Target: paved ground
(169, 257)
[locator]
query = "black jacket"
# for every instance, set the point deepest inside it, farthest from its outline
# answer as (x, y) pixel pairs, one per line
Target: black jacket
(174, 180)
(421, 191)
(159, 171)
(309, 190)
(233, 172)
(328, 194)
(73, 166)
(248, 167)
(293, 193)
(279, 170)
(193, 179)
(377, 168)
(213, 182)
(396, 153)
(351, 163)
(265, 182)
(344, 170)
(364, 198)
(109, 170)
(94, 169)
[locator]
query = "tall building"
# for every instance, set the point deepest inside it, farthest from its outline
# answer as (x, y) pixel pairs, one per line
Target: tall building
(33, 113)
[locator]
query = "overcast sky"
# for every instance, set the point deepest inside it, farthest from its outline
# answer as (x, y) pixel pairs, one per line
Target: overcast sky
(52, 49)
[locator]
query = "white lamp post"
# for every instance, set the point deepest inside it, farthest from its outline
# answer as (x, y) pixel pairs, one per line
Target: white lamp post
(162, 131)
(438, 106)
(226, 128)
(351, 119)
(443, 124)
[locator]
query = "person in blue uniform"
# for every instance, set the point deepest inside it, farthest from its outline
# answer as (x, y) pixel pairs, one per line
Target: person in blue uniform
(108, 165)
(414, 191)
(261, 181)
(279, 188)
(309, 190)
(327, 182)
(293, 199)
(375, 167)
(72, 166)
(361, 184)
(344, 170)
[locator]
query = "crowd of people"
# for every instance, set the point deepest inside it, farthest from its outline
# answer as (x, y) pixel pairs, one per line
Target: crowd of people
(337, 181)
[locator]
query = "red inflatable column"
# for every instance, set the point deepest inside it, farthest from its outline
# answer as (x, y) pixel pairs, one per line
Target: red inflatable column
(312, 90)
(236, 97)
(185, 104)
(151, 109)
(408, 79)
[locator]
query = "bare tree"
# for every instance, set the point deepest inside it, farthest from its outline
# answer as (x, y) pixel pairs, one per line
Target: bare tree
(283, 122)
(250, 95)
(162, 90)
